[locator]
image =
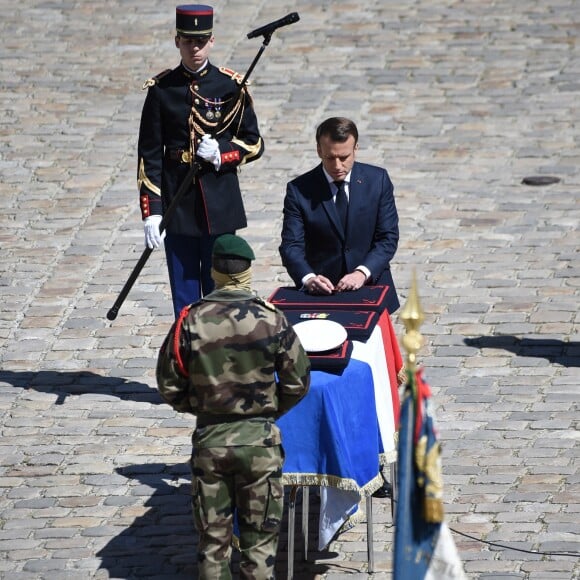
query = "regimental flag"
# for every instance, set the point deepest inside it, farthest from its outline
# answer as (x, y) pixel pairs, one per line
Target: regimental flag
(424, 547)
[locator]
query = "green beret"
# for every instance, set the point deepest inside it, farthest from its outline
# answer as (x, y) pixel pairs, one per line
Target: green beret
(232, 246)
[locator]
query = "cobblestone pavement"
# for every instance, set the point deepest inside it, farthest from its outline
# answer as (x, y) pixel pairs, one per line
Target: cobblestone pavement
(459, 99)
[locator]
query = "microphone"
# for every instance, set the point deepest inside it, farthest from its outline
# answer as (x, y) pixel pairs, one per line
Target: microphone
(269, 28)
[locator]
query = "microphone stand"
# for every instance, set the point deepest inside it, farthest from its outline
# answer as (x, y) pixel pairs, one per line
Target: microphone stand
(185, 184)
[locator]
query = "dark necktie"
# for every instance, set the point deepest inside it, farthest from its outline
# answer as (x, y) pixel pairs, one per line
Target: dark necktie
(341, 203)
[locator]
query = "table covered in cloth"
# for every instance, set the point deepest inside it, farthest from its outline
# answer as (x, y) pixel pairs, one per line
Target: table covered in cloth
(338, 435)
(332, 439)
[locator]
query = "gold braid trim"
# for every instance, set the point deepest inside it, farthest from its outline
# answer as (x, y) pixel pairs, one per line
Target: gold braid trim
(319, 479)
(200, 126)
(143, 179)
(252, 150)
(433, 510)
(227, 119)
(314, 479)
(388, 458)
(242, 103)
(345, 484)
(203, 124)
(191, 138)
(428, 461)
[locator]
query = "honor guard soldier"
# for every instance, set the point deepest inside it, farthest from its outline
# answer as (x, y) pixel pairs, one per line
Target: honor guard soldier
(194, 112)
(235, 362)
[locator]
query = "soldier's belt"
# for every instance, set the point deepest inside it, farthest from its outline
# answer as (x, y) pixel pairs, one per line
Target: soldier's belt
(206, 420)
(181, 155)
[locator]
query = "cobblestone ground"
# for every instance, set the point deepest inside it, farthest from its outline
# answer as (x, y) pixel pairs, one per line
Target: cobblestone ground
(460, 100)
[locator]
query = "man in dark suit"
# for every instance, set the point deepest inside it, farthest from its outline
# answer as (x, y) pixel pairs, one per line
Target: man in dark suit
(341, 227)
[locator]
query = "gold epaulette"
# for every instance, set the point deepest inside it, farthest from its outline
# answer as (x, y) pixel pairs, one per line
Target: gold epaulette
(154, 80)
(233, 75)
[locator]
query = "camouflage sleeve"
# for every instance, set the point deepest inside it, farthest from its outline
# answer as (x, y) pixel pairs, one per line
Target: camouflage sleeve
(172, 384)
(293, 370)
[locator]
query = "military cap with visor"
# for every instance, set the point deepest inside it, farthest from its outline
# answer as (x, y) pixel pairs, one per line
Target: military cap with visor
(232, 246)
(194, 20)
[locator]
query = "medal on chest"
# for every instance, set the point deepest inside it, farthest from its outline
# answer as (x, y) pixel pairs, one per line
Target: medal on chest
(207, 108)
(207, 112)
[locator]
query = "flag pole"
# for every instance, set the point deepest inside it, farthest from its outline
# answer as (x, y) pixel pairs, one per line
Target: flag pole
(412, 316)
(423, 544)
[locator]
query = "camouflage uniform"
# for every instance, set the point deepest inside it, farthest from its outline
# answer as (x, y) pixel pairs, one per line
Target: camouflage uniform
(235, 362)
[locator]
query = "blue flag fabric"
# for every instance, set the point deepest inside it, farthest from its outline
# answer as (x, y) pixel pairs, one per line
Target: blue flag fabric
(424, 548)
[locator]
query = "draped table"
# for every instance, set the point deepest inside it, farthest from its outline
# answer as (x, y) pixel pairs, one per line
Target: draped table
(338, 436)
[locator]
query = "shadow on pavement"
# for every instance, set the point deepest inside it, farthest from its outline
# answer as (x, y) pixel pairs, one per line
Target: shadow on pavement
(556, 351)
(162, 542)
(79, 383)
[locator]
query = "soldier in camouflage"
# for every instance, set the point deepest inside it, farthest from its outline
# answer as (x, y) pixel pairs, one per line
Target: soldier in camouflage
(235, 362)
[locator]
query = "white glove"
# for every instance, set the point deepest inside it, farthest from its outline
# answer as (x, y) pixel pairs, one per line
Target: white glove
(209, 150)
(152, 236)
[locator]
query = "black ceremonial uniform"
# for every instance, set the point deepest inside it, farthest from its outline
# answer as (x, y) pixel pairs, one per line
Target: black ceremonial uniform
(179, 109)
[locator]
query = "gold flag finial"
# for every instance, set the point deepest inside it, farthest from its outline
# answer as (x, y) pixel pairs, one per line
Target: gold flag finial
(412, 317)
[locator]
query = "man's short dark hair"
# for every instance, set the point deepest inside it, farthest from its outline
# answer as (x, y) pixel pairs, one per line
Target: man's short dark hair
(339, 129)
(227, 265)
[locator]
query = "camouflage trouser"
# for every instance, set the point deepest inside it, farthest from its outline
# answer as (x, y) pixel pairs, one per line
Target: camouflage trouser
(247, 479)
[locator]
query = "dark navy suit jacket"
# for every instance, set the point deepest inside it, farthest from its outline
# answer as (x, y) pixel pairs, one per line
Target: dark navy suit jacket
(313, 239)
